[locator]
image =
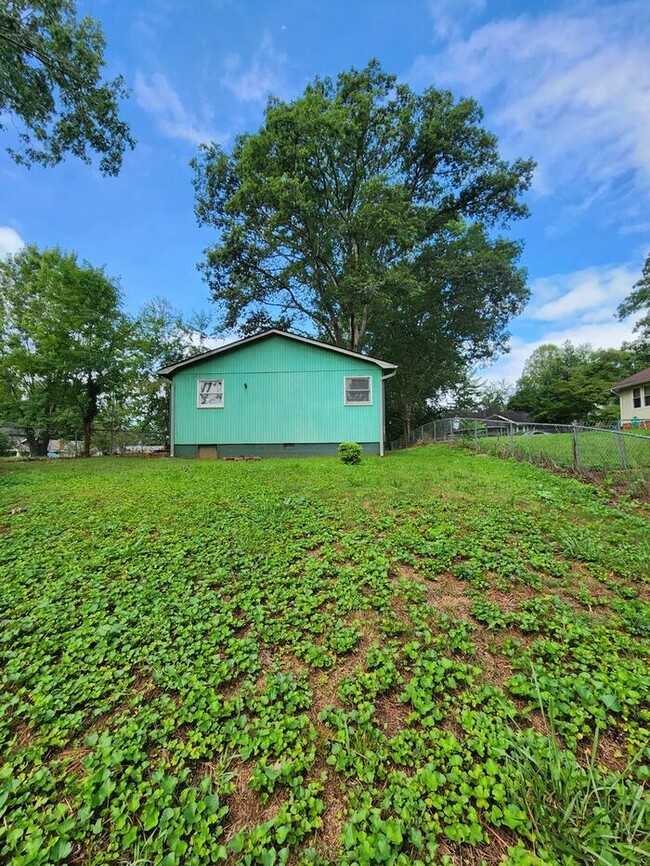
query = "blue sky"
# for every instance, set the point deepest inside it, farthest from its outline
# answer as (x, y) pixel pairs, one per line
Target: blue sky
(565, 82)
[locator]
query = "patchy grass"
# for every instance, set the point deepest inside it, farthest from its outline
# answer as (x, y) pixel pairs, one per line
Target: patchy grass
(434, 658)
(597, 449)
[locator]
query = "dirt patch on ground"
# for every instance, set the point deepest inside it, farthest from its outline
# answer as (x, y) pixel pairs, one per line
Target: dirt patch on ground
(509, 600)
(443, 592)
(391, 713)
(291, 664)
(245, 809)
(611, 752)
(492, 853)
(328, 838)
(144, 685)
(535, 719)
(447, 593)
(495, 667)
(74, 755)
(25, 734)
(326, 683)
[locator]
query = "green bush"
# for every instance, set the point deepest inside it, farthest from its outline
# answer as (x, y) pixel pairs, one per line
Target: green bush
(350, 452)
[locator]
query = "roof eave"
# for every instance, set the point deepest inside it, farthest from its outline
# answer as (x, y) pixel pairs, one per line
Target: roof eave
(616, 388)
(167, 372)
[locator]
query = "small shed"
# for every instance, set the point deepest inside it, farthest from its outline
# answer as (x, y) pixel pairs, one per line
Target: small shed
(276, 394)
(634, 399)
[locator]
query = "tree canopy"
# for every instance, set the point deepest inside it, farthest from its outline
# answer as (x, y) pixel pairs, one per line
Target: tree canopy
(51, 86)
(160, 336)
(562, 384)
(322, 213)
(63, 343)
(638, 301)
(457, 299)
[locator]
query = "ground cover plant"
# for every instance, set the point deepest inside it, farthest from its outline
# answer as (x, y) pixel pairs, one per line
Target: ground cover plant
(438, 657)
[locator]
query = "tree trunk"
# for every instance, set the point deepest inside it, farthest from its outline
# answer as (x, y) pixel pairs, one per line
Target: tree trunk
(88, 429)
(37, 444)
(407, 419)
(92, 393)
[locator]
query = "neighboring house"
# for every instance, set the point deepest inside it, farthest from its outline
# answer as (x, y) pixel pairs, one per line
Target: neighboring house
(634, 398)
(17, 439)
(511, 415)
(55, 447)
(508, 421)
(276, 394)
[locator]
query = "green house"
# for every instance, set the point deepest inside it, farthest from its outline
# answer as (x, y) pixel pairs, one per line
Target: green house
(276, 394)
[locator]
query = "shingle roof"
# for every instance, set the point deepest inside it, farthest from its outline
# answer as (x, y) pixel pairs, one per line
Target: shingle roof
(166, 371)
(637, 379)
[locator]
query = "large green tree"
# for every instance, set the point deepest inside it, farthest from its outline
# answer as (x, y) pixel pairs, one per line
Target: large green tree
(452, 305)
(63, 344)
(638, 301)
(161, 335)
(329, 215)
(562, 384)
(51, 86)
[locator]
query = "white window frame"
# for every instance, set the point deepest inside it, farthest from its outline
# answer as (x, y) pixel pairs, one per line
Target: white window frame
(346, 402)
(646, 395)
(637, 394)
(200, 405)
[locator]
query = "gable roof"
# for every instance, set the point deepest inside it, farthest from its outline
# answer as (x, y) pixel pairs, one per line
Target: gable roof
(639, 378)
(165, 372)
(515, 416)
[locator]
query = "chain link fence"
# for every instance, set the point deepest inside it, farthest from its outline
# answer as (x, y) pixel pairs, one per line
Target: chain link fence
(567, 446)
(111, 441)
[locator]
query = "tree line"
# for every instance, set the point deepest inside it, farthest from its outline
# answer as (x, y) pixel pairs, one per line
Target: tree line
(558, 385)
(71, 357)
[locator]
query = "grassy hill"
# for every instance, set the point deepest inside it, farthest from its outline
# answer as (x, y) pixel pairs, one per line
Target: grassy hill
(440, 657)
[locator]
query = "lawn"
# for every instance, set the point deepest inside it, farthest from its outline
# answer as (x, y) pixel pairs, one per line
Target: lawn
(440, 657)
(597, 450)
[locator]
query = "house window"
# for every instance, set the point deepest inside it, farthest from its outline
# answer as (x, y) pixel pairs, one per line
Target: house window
(646, 391)
(358, 391)
(209, 393)
(636, 398)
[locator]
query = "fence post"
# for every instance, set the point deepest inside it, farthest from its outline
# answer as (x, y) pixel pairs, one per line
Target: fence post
(576, 452)
(75, 445)
(620, 441)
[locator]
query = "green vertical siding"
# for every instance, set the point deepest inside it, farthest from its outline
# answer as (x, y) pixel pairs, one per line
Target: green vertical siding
(276, 390)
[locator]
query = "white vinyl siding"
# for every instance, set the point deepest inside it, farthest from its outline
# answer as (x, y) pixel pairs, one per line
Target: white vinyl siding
(358, 391)
(209, 393)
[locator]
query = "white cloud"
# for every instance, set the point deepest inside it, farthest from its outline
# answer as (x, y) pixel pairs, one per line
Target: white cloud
(10, 241)
(600, 335)
(448, 16)
(579, 306)
(157, 97)
(591, 292)
(570, 88)
(263, 75)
